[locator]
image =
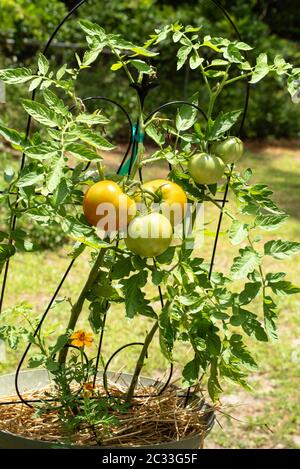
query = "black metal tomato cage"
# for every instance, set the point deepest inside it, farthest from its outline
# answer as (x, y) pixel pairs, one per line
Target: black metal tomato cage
(134, 140)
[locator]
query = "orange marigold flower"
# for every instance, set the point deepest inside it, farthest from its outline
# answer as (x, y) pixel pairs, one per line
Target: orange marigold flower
(88, 389)
(81, 339)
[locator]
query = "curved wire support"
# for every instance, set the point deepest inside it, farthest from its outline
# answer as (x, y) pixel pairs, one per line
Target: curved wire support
(38, 328)
(28, 402)
(132, 344)
(110, 360)
(115, 103)
(174, 103)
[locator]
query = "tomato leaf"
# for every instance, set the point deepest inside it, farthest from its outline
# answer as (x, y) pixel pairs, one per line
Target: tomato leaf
(222, 124)
(15, 75)
(245, 263)
(238, 232)
(41, 113)
(281, 249)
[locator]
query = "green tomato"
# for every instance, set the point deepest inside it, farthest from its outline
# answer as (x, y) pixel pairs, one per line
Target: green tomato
(205, 168)
(149, 235)
(229, 150)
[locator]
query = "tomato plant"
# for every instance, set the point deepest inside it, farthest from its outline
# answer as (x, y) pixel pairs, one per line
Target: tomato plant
(208, 311)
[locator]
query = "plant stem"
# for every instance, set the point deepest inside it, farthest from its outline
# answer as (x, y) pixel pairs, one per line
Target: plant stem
(140, 363)
(127, 71)
(214, 95)
(77, 308)
(240, 77)
(207, 197)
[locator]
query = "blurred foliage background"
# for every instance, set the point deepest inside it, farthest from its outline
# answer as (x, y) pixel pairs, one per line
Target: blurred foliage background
(269, 25)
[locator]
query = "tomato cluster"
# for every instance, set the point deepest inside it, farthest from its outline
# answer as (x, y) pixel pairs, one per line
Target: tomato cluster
(150, 228)
(148, 234)
(208, 168)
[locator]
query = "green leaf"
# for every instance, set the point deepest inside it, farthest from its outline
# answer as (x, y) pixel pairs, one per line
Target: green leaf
(92, 119)
(61, 193)
(41, 152)
(76, 229)
(182, 56)
(41, 113)
(283, 287)
(97, 310)
(281, 249)
(77, 250)
(155, 134)
(6, 251)
(213, 385)
(232, 54)
(95, 140)
(61, 71)
(270, 222)
(270, 316)
(238, 232)
(92, 29)
(186, 116)
(167, 334)
(167, 256)
(55, 103)
(142, 51)
(195, 61)
(219, 63)
(82, 152)
(134, 298)
(15, 75)
(90, 56)
(243, 46)
(141, 66)
(158, 277)
(252, 326)
(12, 136)
(251, 290)
(30, 179)
(55, 173)
(239, 350)
(35, 83)
(122, 268)
(116, 66)
(43, 64)
(261, 69)
(245, 263)
(60, 343)
(191, 372)
(36, 361)
(270, 277)
(222, 124)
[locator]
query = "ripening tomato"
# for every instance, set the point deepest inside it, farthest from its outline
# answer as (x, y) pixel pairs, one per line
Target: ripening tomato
(149, 235)
(170, 196)
(105, 205)
(229, 150)
(205, 168)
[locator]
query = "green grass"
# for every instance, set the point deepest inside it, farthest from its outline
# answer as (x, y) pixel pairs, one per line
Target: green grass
(266, 418)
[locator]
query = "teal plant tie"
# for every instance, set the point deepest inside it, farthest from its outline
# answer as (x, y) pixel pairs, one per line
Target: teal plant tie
(137, 137)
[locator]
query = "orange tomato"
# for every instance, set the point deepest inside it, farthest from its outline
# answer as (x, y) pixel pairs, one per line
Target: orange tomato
(171, 198)
(105, 205)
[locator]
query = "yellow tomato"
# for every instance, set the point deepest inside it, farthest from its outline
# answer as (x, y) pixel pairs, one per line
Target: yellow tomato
(106, 200)
(170, 196)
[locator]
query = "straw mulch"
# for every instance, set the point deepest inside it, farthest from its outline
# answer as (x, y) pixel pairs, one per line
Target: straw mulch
(148, 422)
